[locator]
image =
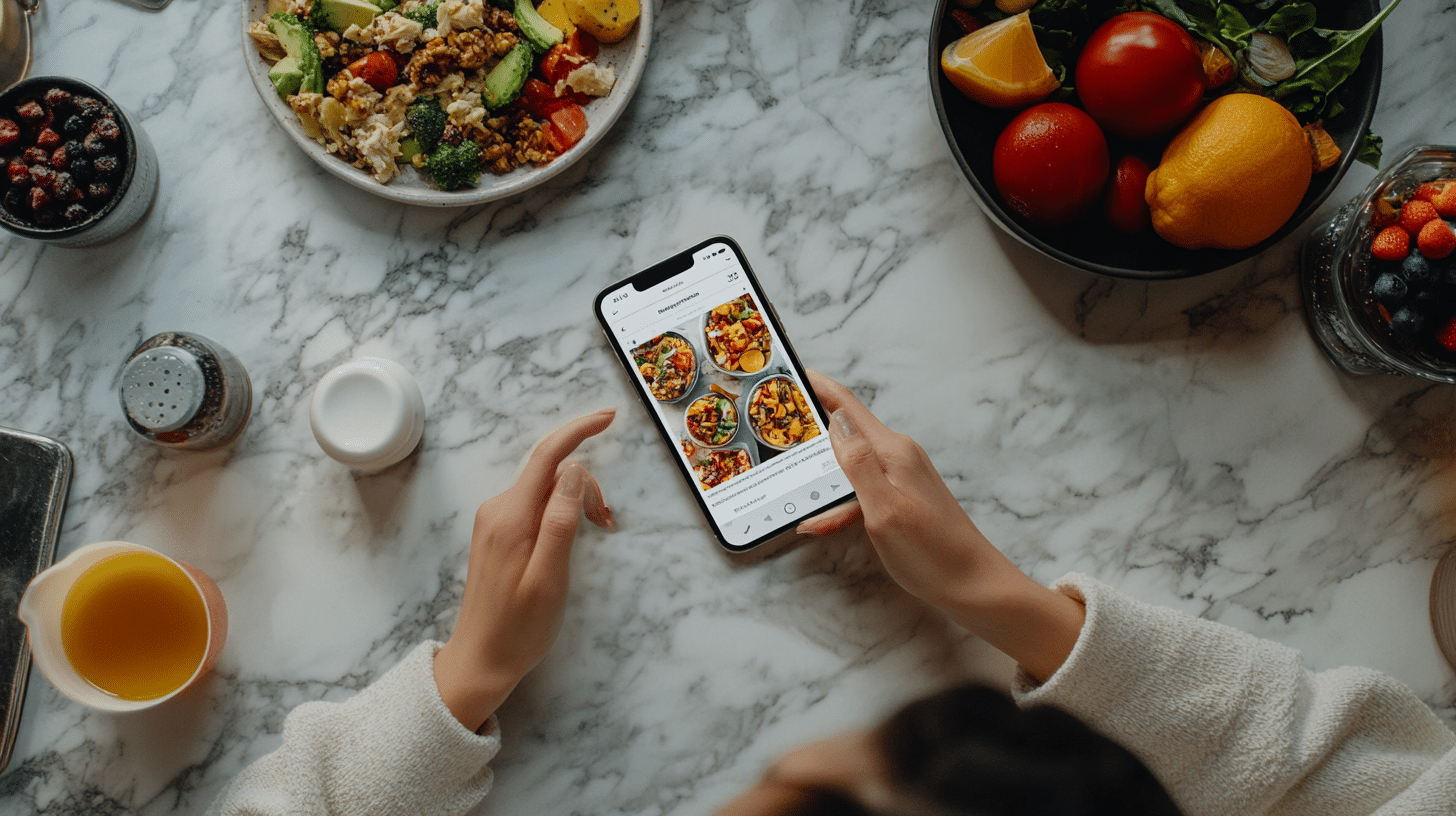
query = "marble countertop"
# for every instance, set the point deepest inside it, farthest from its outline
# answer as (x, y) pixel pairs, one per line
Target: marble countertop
(1184, 441)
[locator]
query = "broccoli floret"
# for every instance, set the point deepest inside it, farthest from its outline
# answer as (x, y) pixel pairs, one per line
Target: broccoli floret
(426, 120)
(452, 166)
(426, 15)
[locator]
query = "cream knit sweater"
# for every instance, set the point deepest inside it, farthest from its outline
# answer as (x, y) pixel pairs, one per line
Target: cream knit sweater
(1229, 723)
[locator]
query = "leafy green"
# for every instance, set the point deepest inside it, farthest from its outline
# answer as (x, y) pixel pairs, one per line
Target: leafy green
(1308, 91)
(1369, 151)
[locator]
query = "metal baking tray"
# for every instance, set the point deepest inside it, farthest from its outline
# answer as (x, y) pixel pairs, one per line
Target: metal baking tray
(35, 475)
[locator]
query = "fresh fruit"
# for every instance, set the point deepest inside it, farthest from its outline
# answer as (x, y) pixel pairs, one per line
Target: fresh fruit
(1050, 164)
(1445, 201)
(751, 361)
(608, 20)
(1232, 176)
(1125, 208)
(1415, 214)
(1140, 75)
(377, 69)
(1446, 335)
(1000, 65)
(1391, 244)
(1436, 240)
(1429, 190)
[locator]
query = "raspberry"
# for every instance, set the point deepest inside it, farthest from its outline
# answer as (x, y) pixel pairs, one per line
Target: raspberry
(9, 133)
(31, 112)
(1436, 239)
(1446, 335)
(19, 172)
(1392, 244)
(36, 155)
(1445, 201)
(56, 98)
(48, 139)
(1415, 214)
(1431, 189)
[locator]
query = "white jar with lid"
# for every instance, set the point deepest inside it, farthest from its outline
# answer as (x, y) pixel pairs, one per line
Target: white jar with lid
(368, 413)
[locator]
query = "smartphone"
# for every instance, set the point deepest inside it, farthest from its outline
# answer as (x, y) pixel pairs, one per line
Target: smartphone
(710, 360)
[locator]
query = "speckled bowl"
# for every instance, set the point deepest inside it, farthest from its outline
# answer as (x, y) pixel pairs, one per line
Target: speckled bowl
(629, 57)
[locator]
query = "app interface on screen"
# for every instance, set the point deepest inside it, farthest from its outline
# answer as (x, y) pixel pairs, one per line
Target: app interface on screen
(728, 395)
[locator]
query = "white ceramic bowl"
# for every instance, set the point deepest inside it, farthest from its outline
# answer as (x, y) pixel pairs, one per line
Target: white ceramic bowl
(737, 429)
(768, 359)
(629, 57)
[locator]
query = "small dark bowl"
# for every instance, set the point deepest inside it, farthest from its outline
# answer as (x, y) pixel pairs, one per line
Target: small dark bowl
(971, 130)
(135, 190)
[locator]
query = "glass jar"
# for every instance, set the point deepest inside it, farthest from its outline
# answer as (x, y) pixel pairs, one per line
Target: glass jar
(184, 391)
(1336, 273)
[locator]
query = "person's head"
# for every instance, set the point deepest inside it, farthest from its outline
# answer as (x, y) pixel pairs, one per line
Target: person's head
(968, 751)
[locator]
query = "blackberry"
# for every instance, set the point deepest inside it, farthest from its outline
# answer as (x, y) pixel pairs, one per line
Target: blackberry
(81, 167)
(76, 214)
(89, 108)
(16, 202)
(75, 127)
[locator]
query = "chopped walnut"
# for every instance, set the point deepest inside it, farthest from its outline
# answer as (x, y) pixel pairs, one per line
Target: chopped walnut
(327, 42)
(338, 86)
(470, 46)
(431, 62)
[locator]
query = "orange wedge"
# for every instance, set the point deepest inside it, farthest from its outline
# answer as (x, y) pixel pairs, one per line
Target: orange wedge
(999, 65)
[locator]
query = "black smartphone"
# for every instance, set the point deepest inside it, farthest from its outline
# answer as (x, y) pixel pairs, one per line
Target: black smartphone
(709, 357)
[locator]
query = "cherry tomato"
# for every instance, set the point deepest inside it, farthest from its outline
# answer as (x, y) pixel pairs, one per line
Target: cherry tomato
(1126, 206)
(1140, 75)
(378, 69)
(583, 43)
(1050, 164)
(559, 62)
(537, 98)
(567, 124)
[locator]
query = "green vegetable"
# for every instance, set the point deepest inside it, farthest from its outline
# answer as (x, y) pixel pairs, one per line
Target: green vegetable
(505, 81)
(454, 166)
(296, 37)
(426, 121)
(541, 34)
(409, 147)
(1370, 150)
(427, 15)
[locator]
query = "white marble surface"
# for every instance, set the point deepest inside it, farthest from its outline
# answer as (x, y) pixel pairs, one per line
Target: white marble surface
(1184, 441)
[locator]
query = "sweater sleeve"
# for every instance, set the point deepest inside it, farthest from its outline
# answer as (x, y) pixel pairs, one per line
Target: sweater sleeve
(1231, 723)
(392, 748)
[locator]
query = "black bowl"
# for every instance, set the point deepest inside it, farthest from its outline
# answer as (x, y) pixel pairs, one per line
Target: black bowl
(971, 129)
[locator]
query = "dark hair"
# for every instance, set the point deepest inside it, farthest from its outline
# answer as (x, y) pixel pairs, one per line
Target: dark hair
(970, 751)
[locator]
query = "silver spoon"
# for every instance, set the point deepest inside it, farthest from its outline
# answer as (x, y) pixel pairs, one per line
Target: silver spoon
(15, 40)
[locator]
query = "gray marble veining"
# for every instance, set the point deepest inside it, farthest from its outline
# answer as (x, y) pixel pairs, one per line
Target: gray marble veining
(1184, 441)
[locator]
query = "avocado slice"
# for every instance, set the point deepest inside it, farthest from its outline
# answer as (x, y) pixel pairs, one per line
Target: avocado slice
(539, 33)
(505, 81)
(338, 15)
(285, 76)
(385, 5)
(296, 40)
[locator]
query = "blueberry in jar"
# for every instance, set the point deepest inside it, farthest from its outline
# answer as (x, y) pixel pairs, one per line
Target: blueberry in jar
(1389, 289)
(1406, 322)
(1418, 270)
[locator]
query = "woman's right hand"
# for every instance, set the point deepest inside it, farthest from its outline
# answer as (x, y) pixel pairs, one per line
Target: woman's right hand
(931, 547)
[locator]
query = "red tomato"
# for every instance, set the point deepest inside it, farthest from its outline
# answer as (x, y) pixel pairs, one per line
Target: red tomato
(537, 98)
(378, 69)
(559, 62)
(1050, 164)
(583, 43)
(1126, 206)
(1140, 75)
(567, 126)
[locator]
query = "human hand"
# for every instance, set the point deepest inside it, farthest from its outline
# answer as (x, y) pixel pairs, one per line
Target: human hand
(930, 546)
(516, 586)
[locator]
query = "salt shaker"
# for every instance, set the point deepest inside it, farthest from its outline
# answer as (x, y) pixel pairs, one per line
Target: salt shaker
(184, 391)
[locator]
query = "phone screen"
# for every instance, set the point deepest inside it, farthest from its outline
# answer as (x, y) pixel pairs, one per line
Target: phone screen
(709, 358)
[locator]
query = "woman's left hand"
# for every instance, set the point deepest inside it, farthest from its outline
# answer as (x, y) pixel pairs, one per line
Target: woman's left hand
(516, 587)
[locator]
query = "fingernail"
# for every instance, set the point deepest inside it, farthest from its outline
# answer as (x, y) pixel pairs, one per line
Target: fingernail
(610, 519)
(572, 483)
(807, 531)
(841, 425)
(609, 410)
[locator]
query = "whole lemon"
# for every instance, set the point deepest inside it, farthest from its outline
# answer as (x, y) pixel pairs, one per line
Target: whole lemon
(1232, 176)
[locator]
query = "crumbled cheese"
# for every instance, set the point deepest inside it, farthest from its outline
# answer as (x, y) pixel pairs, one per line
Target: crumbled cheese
(590, 79)
(356, 34)
(459, 15)
(397, 31)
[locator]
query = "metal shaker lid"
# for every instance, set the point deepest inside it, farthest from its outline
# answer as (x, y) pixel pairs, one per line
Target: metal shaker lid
(162, 388)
